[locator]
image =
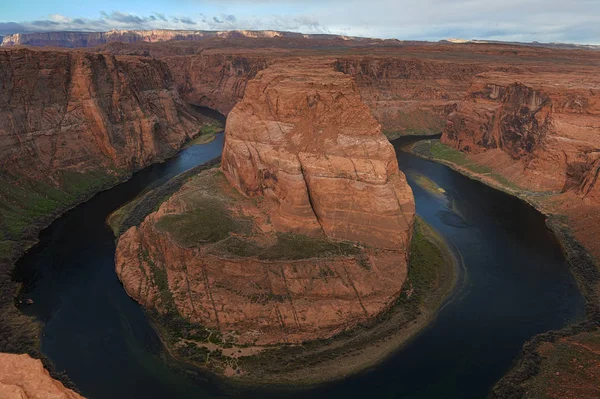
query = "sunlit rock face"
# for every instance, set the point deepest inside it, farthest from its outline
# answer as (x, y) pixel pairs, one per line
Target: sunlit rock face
(22, 377)
(304, 165)
(303, 139)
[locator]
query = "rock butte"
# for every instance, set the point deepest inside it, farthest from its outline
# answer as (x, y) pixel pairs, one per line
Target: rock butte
(304, 145)
(303, 139)
(22, 377)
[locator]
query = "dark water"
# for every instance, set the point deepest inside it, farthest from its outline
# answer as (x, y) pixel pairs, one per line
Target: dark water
(515, 284)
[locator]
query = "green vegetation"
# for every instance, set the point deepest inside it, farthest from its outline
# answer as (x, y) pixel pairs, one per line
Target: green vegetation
(288, 247)
(208, 221)
(207, 133)
(26, 205)
(434, 149)
(428, 185)
(134, 212)
(425, 266)
(430, 280)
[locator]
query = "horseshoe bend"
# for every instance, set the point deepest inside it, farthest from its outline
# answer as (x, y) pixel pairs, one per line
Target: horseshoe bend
(302, 233)
(313, 238)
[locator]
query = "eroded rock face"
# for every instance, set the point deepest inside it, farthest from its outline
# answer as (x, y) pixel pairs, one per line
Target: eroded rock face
(303, 157)
(410, 96)
(303, 139)
(82, 111)
(22, 377)
(542, 133)
(215, 80)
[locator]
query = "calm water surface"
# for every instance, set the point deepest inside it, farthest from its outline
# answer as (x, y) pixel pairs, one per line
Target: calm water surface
(515, 284)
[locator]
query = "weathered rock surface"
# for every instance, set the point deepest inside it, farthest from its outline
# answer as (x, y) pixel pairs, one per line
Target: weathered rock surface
(410, 96)
(71, 120)
(543, 132)
(214, 79)
(78, 110)
(22, 377)
(303, 139)
(309, 159)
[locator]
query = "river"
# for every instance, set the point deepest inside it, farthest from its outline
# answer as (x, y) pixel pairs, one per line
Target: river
(515, 284)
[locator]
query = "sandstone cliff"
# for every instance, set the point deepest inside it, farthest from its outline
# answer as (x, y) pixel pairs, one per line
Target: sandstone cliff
(542, 132)
(303, 139)
(22, 377)
(72, 121)
(214, 79)
(273, 250)
(410, 96)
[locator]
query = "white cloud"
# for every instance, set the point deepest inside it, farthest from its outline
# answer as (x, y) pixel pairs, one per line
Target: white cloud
(524, 20)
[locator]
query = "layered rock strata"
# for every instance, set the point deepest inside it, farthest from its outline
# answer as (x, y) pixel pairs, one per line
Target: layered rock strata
(304, 141)
(318, 216)
(76, 110)
(541, 132)
(72, 123)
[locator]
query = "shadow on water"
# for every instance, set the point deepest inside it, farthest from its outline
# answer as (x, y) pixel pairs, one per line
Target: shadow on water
(518, 285)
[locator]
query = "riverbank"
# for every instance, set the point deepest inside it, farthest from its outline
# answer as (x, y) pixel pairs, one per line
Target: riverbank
(530, 374)
(432, 276)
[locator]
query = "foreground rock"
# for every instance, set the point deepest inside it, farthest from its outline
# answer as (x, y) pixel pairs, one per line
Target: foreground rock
(303, 235)
(22, 377)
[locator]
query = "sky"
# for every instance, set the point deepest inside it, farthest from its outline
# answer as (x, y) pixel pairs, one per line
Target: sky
(573, 21)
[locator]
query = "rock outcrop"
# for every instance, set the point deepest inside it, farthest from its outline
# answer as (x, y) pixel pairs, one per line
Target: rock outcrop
(303, 139)
(541, 131)
(22, 377)
(303, 236)
(410, 96)
(214, 79)
(78, 110)
(71, 122)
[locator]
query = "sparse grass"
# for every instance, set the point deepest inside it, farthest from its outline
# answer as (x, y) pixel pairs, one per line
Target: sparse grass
(430, 280)
(425, 264)
(134, 212)
(294, 246)
(207, 221)
(434, 149)
(26, 206)
(207, 133)
(288, 247)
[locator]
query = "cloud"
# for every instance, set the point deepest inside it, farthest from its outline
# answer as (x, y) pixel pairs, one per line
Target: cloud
(184, 20)
(520, 20)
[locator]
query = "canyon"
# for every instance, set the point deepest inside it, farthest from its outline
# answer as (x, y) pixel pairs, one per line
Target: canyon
(528, 114)
(301, 235)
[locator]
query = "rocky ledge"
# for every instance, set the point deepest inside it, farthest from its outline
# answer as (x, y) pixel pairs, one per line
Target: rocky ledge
(22, 377)
(302, 234)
